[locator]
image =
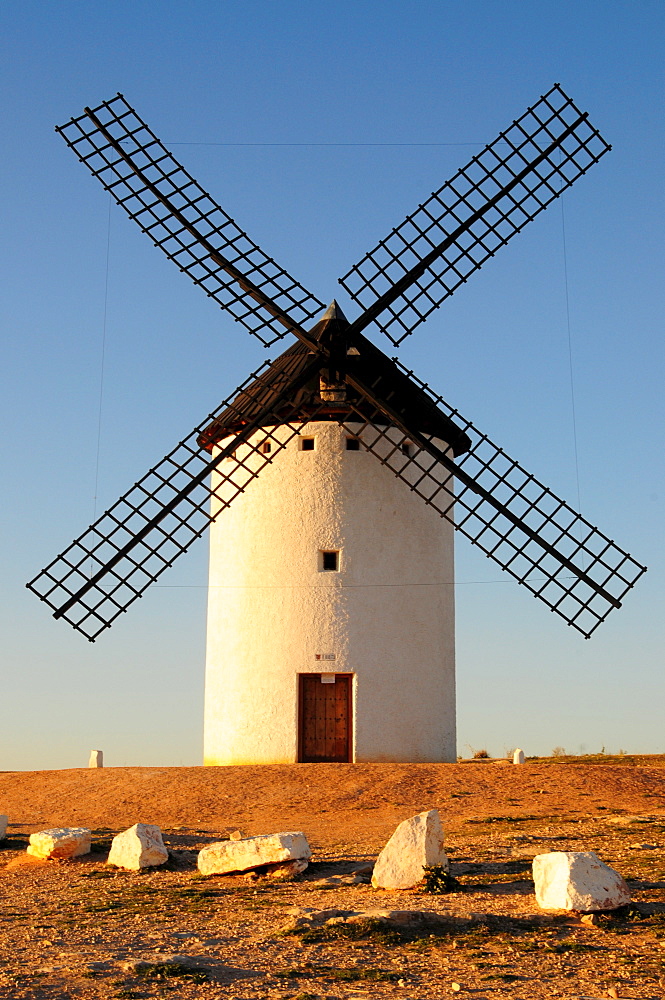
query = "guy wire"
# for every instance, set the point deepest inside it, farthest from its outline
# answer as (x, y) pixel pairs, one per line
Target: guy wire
(570, 356)
(102, 361)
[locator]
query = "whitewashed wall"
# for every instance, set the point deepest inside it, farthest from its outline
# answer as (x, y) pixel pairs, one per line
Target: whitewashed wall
(387, 615)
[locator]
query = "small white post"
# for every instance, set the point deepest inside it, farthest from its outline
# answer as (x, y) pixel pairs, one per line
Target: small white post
(518, 756)
(96, 758)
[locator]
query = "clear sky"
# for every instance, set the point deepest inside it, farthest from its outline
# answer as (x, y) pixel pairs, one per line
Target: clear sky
(318, 126)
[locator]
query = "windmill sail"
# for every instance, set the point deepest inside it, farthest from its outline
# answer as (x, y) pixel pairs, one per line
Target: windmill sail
(185, 223)
(411, 272)
(532, 534)
(117, 558)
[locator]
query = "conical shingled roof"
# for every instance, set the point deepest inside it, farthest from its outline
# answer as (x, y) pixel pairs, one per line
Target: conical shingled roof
(362, 357)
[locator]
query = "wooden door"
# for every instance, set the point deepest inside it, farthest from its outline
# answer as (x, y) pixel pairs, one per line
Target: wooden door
(324, 718)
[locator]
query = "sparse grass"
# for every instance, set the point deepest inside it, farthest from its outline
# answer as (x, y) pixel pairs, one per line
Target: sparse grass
(628, 760)
(372, 930)
(502, 819)
(464, 933)
(349, 975)
(568, 947)
(118, 894)
(506, 977)
(171, 970)
(363, 976)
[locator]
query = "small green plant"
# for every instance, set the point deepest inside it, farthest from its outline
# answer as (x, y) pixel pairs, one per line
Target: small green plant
(363, 975)
(438, 880)
(354, 975)
(372, 929)
(171, 970)
(566, 947)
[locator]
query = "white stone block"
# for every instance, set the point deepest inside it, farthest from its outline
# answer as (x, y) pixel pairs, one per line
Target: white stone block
(139, 847)
(416, 842)
(4, 820)
(63, 842)
(96, 758)
(241, 855)
(518, 756)
(577, 880)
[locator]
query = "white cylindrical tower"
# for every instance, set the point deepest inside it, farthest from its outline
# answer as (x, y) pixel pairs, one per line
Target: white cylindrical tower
(330, 612)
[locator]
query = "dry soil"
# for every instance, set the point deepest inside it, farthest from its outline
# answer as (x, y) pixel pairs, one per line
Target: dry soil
(69, 929)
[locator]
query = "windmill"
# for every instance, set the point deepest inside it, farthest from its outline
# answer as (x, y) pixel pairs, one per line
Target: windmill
(329, 675)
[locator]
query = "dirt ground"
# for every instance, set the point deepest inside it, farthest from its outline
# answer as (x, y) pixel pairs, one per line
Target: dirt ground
(71, 929)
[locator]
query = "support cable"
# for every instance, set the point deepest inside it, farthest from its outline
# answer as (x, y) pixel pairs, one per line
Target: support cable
(570, 356)
(102, 361)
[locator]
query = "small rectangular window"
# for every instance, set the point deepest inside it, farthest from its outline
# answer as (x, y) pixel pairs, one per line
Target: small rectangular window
(265, 447)
(330, 561)
(307, 444)
(353, 444)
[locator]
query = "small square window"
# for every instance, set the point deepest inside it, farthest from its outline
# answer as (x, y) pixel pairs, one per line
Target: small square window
(330, 562)
(265, 447)
(353, 444)
(307, 444)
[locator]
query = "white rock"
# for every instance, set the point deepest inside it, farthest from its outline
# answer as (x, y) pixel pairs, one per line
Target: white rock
(96, 758)
(63, 842)
(241, 855)
(139, 847)
(4, 820)
(518, 756)
(415, 843)
(577, 880)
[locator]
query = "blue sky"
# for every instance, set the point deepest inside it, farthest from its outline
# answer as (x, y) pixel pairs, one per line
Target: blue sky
(318, 127)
